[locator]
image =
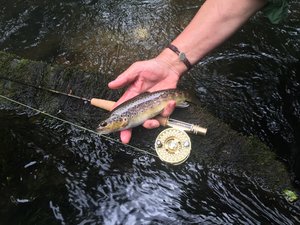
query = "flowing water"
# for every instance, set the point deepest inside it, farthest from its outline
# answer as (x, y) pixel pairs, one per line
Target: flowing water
(52, 173)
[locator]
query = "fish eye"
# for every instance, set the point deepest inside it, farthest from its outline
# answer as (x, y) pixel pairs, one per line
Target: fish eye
(103, 124)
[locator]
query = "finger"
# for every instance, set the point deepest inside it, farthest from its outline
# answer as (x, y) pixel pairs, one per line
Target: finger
(151, 124)
(119, 82)
(169, 109)
(123, 79)
(125, 136)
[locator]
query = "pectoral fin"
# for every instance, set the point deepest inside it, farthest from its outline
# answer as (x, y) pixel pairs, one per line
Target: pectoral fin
(183, 105)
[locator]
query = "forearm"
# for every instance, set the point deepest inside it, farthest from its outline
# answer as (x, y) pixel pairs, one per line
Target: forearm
(215, 21)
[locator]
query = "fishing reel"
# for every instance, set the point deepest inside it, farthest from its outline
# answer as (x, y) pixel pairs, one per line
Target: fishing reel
(173, 146)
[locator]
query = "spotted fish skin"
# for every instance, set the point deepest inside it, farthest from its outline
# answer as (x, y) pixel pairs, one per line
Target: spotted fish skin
(135, 111)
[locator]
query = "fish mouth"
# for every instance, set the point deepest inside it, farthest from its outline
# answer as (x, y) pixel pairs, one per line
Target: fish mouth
(101, 131)
(105, 130)
(112, 124)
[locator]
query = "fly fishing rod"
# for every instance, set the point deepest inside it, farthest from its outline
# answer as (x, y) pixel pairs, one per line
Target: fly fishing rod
(109, 105)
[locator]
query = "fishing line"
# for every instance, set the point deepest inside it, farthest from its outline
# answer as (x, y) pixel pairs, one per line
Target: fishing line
(75, 125)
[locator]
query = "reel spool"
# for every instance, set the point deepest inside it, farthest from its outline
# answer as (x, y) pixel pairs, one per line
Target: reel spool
(173, 146)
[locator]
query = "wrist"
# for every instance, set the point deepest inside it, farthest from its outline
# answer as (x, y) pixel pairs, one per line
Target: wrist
(181, 55)
(172, 60)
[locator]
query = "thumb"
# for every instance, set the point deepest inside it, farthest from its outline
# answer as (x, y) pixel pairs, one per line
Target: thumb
(125, 136)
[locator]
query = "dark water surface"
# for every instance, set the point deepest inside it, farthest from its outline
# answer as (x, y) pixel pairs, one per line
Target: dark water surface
(57, 174)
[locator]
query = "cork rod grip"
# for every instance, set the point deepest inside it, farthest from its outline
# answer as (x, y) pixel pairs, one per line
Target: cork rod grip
(102, 103)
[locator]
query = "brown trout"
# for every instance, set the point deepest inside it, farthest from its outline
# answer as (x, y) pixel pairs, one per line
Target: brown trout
(135, 111)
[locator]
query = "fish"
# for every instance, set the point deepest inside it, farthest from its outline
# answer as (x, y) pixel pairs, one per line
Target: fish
(137, 110)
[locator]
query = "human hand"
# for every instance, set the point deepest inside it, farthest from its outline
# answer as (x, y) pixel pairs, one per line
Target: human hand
(150, 75)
